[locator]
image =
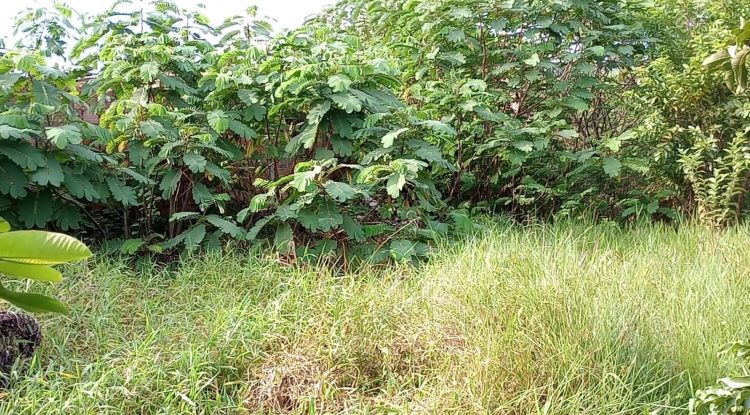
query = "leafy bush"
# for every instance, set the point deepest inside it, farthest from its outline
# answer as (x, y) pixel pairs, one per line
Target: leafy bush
(378, 126)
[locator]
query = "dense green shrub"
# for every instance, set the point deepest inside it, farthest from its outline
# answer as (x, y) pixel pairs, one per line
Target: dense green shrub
(531, 89)
(376, 127)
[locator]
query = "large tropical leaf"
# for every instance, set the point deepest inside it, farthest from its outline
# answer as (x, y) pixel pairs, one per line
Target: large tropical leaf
(35, 303)
(41, 248)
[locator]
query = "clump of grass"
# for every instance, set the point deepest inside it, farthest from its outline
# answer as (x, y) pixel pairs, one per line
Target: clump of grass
(559, 319)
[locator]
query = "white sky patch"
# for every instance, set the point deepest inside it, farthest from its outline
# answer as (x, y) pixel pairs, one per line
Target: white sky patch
(286, 13)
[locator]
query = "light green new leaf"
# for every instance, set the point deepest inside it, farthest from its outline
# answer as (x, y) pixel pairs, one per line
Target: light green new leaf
(346, 102)
(149, 71)
(339, 83)
(388, 139)
(394, 185)
(533, 60)
(218, 120)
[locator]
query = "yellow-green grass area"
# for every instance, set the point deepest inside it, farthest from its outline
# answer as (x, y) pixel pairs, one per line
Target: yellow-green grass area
(569, 318)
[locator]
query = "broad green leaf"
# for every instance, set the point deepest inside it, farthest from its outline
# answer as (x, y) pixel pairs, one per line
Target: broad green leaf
(7, 131)
(247, 96)
(45, 93)
(576, 103)
(52, 174)
(283, 237)
(524, 145)
(4, 226)
(34, 272)
(35, 210)
(597, 50)
(35, 303)
(439, 126)
(131, 246)
(122, 192)
(611, 166)
(169, 182)
(195, 162)
(402, 249)
(253, 232)
(316, 114)
(202, 196)
(340, 191)
(176, 217)
(242, 130)
(8, 81)
(194, 236)
(23, 154)
(353, 229)
(225, 226)
(736, 382)
(302, 180)
(342, 146)
(717, 59)
(151, 128)
(533, 60)
(329, 216)
(80, 186)
(64, 135)
(13, 181)
(461, 220)
(41, 248)
(306, 138)
(456, 35)
(68, 216)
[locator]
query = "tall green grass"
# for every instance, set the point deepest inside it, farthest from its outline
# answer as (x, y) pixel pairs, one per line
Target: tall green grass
(561, 319)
